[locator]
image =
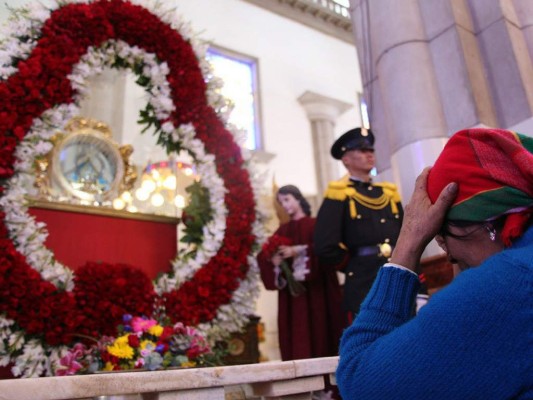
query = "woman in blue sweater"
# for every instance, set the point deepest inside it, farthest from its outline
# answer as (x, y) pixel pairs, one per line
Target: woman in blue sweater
(474, 339)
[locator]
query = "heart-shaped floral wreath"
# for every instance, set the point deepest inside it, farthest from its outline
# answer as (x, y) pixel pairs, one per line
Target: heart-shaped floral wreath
(47, 55)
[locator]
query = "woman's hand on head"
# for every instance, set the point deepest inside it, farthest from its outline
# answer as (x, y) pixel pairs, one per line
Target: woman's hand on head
(421, 222)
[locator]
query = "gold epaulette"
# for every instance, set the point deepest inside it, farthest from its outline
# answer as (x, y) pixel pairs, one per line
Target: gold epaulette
(337, 190)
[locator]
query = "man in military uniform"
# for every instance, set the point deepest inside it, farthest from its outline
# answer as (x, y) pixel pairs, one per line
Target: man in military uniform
(359, 220)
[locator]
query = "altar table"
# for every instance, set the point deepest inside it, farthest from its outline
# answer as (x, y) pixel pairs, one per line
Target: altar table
(78, 234)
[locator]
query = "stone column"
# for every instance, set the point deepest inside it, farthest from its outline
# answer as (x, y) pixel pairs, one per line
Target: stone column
(524, 12)
(431, 68)
(500, 28)
(323, 111)
(401, 88)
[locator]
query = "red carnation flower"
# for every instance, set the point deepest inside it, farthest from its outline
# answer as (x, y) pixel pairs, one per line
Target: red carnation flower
(133, 341)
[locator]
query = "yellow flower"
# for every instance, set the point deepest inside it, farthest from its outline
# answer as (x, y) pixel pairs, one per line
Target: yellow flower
(108, 366)
(156, 330)
(120, 348)
(188, 364)
(145, 343)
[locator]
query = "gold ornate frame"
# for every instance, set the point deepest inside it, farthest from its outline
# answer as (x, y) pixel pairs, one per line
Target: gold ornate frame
(53, 185)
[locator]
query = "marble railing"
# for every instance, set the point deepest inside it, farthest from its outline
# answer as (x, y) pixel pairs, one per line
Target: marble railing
(327, 16)
(270, 380)
(333, 6)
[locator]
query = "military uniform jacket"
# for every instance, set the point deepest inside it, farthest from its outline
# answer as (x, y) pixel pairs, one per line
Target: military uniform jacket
(354, 219)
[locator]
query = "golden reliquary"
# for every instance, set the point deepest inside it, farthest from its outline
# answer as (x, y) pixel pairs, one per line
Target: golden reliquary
(85, 165)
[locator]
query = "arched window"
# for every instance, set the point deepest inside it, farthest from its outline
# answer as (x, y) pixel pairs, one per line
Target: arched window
(239, 73)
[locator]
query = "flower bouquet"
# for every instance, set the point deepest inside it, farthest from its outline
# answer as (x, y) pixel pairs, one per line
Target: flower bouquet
(142, 343)
(269, 249)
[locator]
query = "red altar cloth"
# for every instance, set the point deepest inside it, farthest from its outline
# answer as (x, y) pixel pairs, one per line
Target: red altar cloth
(78, 234)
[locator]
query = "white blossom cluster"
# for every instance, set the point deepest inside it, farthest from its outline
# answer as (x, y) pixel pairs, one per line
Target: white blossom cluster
(24, 23)
(27, 234)
(97, 59)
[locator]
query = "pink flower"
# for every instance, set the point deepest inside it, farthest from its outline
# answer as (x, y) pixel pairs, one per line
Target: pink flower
(179, 328)
(68, 365)
(142, 325)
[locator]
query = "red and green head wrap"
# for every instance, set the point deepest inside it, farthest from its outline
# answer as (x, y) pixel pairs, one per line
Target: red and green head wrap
(494, 171)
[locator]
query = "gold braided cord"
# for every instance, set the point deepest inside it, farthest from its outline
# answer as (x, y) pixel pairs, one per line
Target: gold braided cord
(374, 203)
(391, 190)
(394, 207)
(353, 208)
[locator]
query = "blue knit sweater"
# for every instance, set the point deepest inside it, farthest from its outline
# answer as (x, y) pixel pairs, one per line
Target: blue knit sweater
(473, 340)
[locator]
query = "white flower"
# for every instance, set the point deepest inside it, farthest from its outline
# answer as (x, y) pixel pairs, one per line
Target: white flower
(167, 127)
(4, 359)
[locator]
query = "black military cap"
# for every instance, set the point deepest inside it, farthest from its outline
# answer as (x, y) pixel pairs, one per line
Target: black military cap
(358, 138)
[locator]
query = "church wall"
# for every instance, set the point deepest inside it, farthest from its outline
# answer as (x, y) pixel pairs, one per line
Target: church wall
(292, 59)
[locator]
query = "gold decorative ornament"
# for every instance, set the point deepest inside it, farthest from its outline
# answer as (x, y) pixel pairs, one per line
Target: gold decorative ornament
(41, 178)
(86, 164)
(385, 249)
(236, 346)
(130, 172)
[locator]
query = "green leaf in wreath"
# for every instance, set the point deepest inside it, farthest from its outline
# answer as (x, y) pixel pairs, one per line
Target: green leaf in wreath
(197, 214)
